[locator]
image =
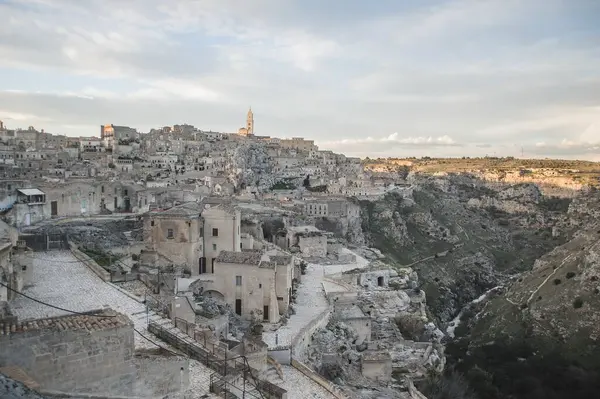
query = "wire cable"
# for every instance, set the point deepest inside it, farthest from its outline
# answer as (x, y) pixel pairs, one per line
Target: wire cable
(54, 306)
(84, 314)
(161, 347)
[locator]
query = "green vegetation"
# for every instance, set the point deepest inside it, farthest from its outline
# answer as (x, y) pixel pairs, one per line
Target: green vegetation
(101, 258)
(284, 185)
(521, 369)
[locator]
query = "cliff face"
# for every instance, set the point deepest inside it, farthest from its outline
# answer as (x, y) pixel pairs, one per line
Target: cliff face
(559, 298)
(461, 236)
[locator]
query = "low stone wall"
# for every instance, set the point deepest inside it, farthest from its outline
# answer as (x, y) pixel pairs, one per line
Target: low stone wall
(327, 385)
(302, 340)
(89, 262)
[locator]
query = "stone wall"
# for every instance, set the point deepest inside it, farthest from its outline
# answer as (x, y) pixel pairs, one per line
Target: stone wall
(89, 262)
(329, 387)
(64, 358)
(159, 375)
(302, 340)
(313, 246)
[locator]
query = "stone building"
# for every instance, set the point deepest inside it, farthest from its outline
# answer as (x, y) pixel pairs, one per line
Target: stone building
(29, 208)
(256, 284)
(176, 234)
(8, 274)
(309, 240)
(193, 235)
(75, 353)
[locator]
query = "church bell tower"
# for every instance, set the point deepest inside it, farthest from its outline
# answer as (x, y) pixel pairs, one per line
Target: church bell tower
(250, 122)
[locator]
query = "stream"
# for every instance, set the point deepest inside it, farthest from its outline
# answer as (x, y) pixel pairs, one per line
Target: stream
(456, 321)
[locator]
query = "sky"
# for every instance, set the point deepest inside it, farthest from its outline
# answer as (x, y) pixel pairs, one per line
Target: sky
(365, 78)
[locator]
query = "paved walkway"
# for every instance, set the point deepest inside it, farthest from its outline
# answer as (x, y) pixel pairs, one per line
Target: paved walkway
(310, 302)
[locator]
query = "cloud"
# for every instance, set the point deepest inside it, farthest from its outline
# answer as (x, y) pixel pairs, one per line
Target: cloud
(486, 74)
(388, 145)
(18, 117)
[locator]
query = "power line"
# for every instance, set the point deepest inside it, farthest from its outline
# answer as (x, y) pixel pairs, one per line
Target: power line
(84, 314)
(52, 306)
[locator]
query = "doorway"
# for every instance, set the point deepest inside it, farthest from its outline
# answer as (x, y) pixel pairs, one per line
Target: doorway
(266, 313)
(380, 281)
(54, 208)
(238, 307)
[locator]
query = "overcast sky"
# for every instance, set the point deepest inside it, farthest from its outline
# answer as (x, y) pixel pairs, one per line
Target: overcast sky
(376, 78)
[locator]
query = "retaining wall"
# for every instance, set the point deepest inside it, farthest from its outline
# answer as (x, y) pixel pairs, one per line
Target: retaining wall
(328, 386)
(302, 340)
(89, 262)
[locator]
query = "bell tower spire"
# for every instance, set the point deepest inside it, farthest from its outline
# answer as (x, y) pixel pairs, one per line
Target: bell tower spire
(250, 122)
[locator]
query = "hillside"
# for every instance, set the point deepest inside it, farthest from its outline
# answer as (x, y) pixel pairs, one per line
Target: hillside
(538, 337)
(548, 173)
(462, 235)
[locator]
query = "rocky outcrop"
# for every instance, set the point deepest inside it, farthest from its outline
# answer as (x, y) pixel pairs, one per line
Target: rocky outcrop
(458, 249)
(560, 296)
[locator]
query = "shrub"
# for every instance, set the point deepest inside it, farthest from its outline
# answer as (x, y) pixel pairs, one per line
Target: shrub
(411, 327)
(557, 281)
(570, 274)
(577, 303)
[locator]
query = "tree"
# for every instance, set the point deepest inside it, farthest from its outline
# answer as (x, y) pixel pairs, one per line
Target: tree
(306, 182)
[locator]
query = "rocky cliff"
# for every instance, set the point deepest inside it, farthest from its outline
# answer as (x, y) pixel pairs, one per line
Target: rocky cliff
(462, 236)
(559, 298)
(537, 337)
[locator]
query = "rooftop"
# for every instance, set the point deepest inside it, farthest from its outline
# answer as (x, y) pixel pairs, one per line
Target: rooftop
(189, 209)
(249, 257)
(30, 191)
(90, 321)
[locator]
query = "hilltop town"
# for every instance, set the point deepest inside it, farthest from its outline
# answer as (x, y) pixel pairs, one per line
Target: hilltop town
(185, 263)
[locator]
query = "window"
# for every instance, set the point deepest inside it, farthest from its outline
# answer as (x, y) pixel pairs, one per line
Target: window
(215, 232)
(238, 280)
(169, 233)
(102, 189)
(259, 285)
(125, 193)
(9, 187)
(201, 231)
(214, 247)
(152, 223)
